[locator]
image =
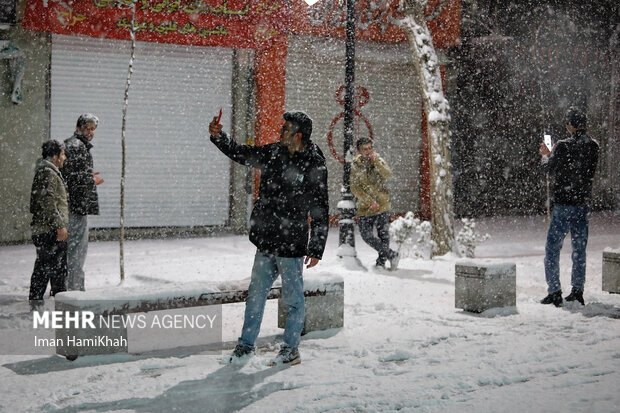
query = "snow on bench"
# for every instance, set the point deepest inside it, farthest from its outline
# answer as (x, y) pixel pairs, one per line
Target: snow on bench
(324, 298)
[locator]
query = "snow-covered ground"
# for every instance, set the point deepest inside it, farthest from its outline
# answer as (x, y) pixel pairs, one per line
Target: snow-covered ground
(404, 347)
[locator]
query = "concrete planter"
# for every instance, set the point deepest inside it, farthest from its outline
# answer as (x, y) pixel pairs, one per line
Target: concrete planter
(480, 286)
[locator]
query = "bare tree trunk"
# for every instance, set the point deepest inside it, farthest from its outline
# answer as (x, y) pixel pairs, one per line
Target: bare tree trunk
(614, 119)
(438, 115)
(123, 146)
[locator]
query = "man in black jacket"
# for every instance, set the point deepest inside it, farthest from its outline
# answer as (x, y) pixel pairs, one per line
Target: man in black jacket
(83, 200)
(571, 165)
(293, 187)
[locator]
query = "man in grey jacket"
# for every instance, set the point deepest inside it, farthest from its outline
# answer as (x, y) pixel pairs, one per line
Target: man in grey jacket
(83, 200)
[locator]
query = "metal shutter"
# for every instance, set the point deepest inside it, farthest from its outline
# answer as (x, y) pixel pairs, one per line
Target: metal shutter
(315, 71)
(175, 176)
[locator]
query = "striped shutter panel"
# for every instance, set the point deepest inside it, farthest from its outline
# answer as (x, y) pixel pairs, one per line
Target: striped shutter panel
(175, 176)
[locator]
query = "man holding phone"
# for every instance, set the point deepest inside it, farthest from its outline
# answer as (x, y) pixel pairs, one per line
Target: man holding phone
(369, 175)
(571, 163)
(293, 188)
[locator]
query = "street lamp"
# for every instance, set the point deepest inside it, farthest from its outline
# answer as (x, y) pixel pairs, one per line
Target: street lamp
(346, 244)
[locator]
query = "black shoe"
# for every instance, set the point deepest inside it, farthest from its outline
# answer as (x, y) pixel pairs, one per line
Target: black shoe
(286, 355)
(576, 295)
(240, 354)
(394, 261)
(553, 298)
(36, 305)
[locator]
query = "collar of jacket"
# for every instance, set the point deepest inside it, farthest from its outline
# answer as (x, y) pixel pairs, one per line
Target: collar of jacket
(44, 163)
(310, 151)
(580, 134)
(83, 139)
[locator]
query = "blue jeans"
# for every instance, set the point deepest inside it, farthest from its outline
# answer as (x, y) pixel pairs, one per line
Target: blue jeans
(266, 269)
(567, 218)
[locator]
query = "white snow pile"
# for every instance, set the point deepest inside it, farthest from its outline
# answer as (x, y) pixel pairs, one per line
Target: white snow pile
(404, 346)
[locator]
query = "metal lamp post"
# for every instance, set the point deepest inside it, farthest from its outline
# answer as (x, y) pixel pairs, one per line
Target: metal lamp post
(346, 207)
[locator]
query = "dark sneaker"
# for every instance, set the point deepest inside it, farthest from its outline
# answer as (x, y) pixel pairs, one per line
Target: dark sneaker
(240, 354)
(553, 298)
(576, 295)
(394, 261)
(36, 305)
(286, 356)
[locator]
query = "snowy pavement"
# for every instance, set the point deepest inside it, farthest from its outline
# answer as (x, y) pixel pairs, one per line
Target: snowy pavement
(404, 347)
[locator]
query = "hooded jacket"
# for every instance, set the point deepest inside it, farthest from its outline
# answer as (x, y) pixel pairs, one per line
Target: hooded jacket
(292, 188)
(368, 184)
(48, 199)
(78, 172)
(572, 165)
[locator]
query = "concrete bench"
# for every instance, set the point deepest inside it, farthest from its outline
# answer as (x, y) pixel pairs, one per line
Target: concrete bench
(324, 297)
(480, 286)
(611, 271)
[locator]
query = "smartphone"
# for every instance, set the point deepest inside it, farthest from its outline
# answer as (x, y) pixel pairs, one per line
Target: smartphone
(548, 141)
(219, 117)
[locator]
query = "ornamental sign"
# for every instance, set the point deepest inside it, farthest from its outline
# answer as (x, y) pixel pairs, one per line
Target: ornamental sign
(228, 23)
(234, 23)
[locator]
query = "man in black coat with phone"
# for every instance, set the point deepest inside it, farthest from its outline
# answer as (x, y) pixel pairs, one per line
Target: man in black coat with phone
(293, 188)
(571, 164)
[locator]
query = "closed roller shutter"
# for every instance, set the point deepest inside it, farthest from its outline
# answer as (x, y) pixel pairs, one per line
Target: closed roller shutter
(175, 176)
(315, 71)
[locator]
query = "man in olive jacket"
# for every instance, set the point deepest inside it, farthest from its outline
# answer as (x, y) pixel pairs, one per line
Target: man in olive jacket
(83, 199)
(50, 218)
(293, 188)
(369, 175)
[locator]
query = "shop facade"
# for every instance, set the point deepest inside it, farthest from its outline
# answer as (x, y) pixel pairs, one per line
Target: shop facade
(254, 59)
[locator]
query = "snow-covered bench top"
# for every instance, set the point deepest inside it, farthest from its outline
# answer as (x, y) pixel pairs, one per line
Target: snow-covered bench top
(612, 255)
(165, 296)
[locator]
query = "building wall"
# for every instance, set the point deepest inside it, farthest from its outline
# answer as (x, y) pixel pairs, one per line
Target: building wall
(23, 128)
(519, 69)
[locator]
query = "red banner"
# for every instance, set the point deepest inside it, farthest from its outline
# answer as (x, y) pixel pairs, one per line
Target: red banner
(233, 23)
(228, 23)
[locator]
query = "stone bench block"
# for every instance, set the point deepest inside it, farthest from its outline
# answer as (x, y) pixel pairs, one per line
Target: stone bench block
(324, 295)
(75, 341)
(481, 286)
(324, 308)
(611, 271)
